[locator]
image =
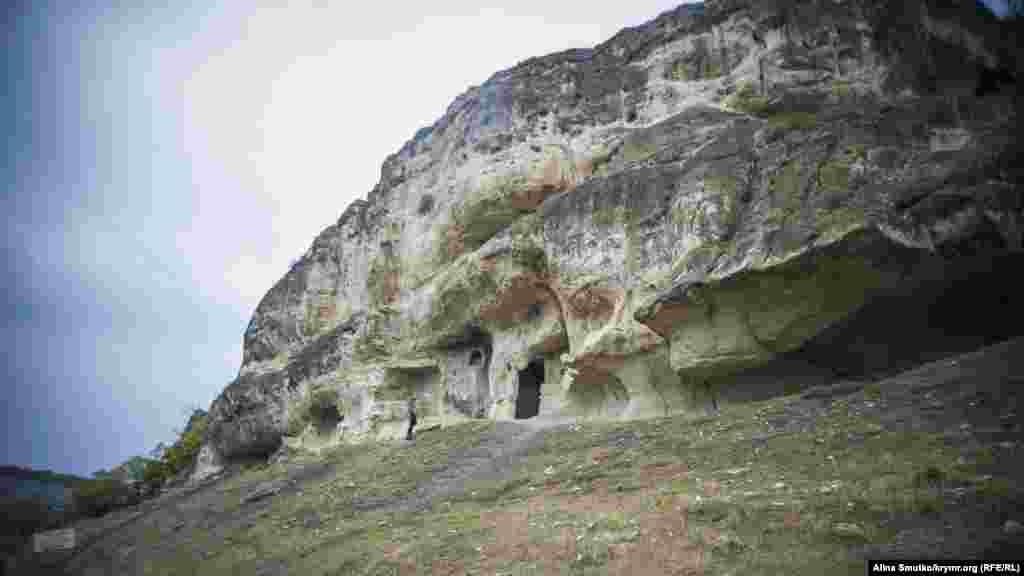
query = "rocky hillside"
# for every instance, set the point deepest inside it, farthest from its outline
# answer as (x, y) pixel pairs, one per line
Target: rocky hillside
(735, 200)
(913, 466)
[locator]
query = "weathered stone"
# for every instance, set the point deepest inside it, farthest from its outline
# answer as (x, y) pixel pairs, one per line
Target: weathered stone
(594, 233)
(264, 490)
(849, 530)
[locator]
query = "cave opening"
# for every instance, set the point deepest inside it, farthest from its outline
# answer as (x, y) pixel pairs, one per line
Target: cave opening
(326, 418)
(528, 396)
(945, 308)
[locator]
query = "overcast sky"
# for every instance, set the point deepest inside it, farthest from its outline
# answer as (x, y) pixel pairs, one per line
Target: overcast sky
(163, 166)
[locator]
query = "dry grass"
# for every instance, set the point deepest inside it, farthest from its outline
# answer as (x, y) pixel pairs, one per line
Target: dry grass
(667, 496)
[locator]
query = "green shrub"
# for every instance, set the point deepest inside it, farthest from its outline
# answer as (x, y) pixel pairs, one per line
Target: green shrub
(155, 472)
(95, 498)
(181, 455)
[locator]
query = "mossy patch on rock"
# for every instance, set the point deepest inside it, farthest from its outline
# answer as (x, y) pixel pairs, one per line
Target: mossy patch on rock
(609, 216)
(841, 89)
(374, 342)
(677, 71)
(832, 224)
(500, 200)
(479, 217)
(786, 187)
(319, 405)
(725, 189)
(833, 177)
(599, 159)
(320, 312)
(793, 120)
(746, 100)
(638, 148)
(382, 281)
(698, 259)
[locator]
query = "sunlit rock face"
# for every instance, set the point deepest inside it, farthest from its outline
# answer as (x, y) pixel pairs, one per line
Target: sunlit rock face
(628, 230)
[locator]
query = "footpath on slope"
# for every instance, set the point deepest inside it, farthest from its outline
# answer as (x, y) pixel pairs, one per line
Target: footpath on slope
(767, 472)
(490, 460)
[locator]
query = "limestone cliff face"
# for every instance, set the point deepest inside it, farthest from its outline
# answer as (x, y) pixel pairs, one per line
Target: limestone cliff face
(622, 231)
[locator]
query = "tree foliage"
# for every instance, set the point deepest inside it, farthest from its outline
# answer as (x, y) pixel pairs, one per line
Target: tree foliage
(179, 456)
(95, 498)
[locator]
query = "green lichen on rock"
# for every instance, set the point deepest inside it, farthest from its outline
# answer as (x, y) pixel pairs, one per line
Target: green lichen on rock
(683, 216)
(638, 147)
(374, 342)
(319, 404)
(488, 210)
(793, 303)
(528, 227)
(699, 258)
(532, 257)
(725, 189)
(746, 100)
(841, 88)
(484, 213)
(677, 71)
(793, 120)
(605, 217)
(382, 280)
(463, 286)
(319, 313)
(599, 158)
(785, 187)
(857, 152)
(833, 177)
(833, 224)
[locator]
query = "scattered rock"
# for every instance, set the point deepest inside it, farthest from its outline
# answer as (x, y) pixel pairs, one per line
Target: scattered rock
(849, 530)
(1013, 528)
(311, 520)
(264, 490)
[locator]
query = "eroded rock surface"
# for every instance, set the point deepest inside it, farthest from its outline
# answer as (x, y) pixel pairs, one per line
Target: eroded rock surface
(623, 231)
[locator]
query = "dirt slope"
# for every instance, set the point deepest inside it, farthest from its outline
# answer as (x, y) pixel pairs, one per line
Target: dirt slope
(923, 464)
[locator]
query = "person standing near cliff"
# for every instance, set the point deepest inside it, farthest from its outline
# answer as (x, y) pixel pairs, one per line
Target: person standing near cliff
(412, 419)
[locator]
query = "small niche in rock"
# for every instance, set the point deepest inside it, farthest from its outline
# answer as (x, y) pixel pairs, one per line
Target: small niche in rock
(533, 311)
(326, 418)
(528, 396)
(426, 205)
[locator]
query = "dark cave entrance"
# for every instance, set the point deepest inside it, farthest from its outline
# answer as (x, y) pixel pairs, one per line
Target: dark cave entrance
(946, 308)
(326, 418)
(528, 397)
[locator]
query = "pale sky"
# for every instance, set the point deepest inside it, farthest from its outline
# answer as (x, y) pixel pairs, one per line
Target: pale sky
(164, 165)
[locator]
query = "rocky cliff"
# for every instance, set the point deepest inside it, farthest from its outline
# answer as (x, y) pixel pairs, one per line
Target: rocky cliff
(734, 200)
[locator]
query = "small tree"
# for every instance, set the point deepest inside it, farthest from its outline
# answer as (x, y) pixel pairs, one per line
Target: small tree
(1014, 8)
